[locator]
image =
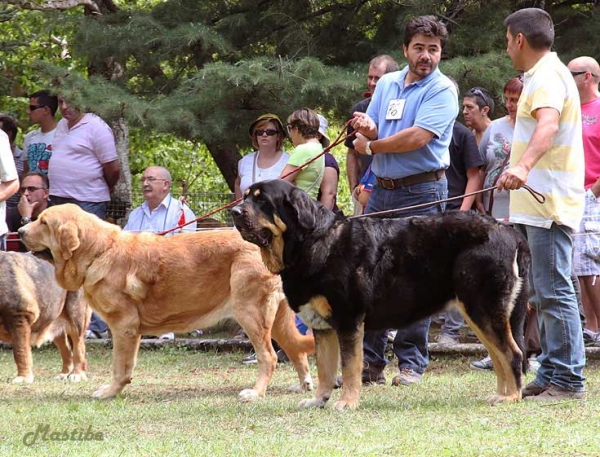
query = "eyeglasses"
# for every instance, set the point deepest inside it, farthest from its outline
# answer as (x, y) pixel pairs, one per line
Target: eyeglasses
(289, 127)
(269, 132)
(577, 73)
(479, 93)
(34, 107)
(151, 179)
(29, 189)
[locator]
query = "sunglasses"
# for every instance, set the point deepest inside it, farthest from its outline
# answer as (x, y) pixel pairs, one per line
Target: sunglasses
(29, 189)
(269, 132)
(577, 73)
(34, 107)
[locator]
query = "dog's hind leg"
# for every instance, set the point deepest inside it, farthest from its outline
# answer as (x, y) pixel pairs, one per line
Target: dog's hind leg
(19, 328)
(328, 360)
(62, 343)
(295, 345)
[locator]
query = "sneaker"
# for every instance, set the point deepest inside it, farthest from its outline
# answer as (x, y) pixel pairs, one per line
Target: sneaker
(373, 375)
(446, 340)
(250, 359)
(407, 377)
(556, 393)
(531, 390)
(392, 335)
(197, 333)
(483, 364)
(589, 337)
(95, 335)
(167, 336)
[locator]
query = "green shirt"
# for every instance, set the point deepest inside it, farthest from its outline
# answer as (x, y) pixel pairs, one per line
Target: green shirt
(310, 177)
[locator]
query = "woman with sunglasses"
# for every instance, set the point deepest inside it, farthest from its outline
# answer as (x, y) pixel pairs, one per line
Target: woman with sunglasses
(268, 160)
(303, 129)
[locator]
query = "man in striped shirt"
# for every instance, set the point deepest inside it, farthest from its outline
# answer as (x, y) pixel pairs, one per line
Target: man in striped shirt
(547, 154)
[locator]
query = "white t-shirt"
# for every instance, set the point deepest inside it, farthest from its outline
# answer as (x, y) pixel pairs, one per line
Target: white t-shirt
(38, 149)
(170, 213)
(8, 172)
(249, 171)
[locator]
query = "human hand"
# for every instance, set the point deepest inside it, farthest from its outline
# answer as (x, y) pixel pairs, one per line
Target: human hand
(513, 178)
(25, 208)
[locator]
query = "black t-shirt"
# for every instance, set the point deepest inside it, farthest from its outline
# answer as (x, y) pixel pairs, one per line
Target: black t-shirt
(464, 154)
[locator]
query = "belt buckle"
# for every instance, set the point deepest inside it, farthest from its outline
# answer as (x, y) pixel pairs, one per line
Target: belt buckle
(387, 183)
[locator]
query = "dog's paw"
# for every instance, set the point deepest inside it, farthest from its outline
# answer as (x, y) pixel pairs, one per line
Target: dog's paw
(342, 404)
(23, 379)
(495, 400)
(248, 395)
(77, 377)
(306, 386)
(314, 402)
(105, 392)
(61, 376)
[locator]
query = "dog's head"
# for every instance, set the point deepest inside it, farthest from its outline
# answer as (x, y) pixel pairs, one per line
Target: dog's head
(276, 213)
(69, 238)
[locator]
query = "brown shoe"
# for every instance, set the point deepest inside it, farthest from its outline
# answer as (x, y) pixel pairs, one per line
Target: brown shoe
(531, 390)
(372, 375)
(556, 393)
(407, 377)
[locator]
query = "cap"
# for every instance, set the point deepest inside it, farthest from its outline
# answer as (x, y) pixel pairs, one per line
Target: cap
(323, 124)
(267, 117)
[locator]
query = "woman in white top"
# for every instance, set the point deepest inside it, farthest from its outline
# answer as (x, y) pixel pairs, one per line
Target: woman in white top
(268, 160)
(495, 147)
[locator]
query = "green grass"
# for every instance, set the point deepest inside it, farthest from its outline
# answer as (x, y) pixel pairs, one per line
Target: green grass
(185, 403)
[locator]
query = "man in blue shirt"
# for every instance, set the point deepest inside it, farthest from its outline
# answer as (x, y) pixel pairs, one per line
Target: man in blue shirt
(407, 129)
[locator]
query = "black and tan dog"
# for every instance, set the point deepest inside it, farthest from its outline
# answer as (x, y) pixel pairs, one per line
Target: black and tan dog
(34, 310)
(344, 276)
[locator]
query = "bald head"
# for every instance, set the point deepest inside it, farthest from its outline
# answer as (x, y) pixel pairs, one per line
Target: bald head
(586, 72)
(156, 185)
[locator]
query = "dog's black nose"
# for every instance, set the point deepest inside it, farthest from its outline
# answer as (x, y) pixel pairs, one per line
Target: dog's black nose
(236, 211)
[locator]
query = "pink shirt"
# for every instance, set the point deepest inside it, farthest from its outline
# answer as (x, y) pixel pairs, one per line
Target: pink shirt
(590, 120)
(75, 168)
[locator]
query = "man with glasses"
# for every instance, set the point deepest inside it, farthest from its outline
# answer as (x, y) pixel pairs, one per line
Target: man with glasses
(33, 200)
(38, 143)
(160, 210)
(586, 73)
(9, 183)
(547, 154)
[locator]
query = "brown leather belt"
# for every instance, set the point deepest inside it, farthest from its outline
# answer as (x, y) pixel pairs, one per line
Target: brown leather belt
(389, 183)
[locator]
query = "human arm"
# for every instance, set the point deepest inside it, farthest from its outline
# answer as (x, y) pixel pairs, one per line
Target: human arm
(8, 189)
(352, 168)
(539, 144)
(111, 171)
(293, 172)
(596, 188)
(406, 140)
(329, 187)
(474, 181)
(236, 187)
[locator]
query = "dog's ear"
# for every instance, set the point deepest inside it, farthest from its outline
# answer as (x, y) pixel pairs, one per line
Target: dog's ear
(68, 239)
(304, 207)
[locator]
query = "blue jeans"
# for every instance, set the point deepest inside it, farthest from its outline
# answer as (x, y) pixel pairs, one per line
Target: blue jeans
(453, 321)
(561, 338)
(99, 209)
(410, 344)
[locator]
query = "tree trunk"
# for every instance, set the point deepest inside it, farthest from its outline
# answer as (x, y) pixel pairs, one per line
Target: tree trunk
(226, 157)
(122, 195)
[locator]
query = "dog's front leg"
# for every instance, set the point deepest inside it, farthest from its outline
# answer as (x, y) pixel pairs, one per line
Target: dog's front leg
(327, 351)
(126, 343)
(20, 333)
(351, 348)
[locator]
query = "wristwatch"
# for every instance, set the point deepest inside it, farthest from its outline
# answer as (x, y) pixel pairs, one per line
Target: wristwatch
(25, 220)
(368, 148)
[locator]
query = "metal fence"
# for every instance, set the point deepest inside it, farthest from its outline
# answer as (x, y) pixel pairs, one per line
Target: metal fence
(201, 203)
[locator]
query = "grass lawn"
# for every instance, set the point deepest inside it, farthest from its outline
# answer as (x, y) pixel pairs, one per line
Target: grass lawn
(183, 402)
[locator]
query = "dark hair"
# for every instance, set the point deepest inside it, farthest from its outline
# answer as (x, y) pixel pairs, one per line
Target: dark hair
(41, 175)
(384, 59)
(536, 26)
(9, 125)
(514, 85)
(306, 121)
(482, 97)
(46, 98)
(425, 25)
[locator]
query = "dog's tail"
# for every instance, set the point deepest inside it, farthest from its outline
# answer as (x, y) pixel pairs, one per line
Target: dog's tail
(286, 333)
(519, 311)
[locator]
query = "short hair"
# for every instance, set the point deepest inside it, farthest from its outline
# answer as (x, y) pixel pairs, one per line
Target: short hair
(46, 98)
(9, 125)
(306, 121)
(384, 60)
(425, 25)
(514, 85)
(482, 97)
(534, 24)
(262, 124)
(41, 175)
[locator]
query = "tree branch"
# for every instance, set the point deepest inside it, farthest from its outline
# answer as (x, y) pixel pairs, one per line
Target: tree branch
(55, 5)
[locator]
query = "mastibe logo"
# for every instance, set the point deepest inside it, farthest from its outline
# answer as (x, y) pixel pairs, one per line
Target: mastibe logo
(44, 433)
